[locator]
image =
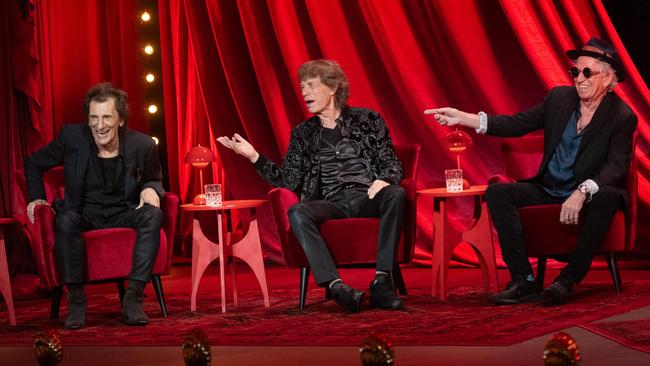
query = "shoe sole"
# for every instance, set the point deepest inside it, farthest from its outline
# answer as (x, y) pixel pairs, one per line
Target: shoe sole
(555, 297)
(534, 297)
(378, 306)
(127, 322)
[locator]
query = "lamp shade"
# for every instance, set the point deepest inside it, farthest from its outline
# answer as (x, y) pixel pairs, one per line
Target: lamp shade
(199, 157)
(458, 141)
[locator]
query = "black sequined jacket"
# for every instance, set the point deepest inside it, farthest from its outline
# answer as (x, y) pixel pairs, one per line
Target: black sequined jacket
(300, 167)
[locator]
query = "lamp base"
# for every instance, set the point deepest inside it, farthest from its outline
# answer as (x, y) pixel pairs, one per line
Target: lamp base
(199, 199)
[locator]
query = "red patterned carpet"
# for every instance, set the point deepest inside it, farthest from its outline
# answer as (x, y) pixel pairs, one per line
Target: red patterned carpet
(466, 318)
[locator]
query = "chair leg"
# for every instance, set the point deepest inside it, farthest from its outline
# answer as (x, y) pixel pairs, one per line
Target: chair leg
(57, 293)
(541, 271)
(304, 281)
(158, 287)
(398, 280)
(613, 270)
(121, 291)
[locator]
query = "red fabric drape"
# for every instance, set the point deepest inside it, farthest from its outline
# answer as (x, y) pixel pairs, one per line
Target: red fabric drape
(230, 67)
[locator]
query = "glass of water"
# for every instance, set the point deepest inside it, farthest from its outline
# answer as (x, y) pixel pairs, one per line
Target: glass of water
(213, 195)
(454, 180)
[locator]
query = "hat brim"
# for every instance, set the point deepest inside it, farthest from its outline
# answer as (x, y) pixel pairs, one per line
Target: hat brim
(618, 68)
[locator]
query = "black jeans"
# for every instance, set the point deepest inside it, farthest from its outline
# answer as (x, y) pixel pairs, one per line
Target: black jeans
(70, 250)
(306, 217)
(504, 199)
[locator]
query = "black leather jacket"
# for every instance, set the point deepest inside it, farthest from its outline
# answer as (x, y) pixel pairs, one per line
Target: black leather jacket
(300, 168)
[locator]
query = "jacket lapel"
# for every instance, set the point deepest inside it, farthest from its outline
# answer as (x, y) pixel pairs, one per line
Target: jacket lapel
(81, 166)
(130, 172)
(599, 118)
(559, 123)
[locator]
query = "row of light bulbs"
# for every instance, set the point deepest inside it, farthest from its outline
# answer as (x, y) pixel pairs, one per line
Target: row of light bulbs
(149, 50)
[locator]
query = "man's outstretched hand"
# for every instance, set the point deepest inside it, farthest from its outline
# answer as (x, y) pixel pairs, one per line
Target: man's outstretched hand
(239, 145)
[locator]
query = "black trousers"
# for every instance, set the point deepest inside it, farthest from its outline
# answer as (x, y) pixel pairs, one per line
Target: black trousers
(70, 250)
(306, 217)
(503, 199)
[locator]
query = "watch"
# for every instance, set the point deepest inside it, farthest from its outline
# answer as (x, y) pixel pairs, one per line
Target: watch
(585, 190)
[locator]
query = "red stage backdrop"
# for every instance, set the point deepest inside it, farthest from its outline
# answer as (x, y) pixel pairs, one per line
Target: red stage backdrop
(230, 66)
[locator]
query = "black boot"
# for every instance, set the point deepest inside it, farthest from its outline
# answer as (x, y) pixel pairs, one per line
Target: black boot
(133, 312)
(382, 293)
(346, 296)
(558, 292)
(76, 307)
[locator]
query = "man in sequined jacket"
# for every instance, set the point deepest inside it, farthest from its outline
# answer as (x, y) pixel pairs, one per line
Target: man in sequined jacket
(342, 163)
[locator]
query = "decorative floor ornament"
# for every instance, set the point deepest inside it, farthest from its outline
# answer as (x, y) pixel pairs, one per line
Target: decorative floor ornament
(48, 348)
(196, 349)
(562, 350)
(376, 350)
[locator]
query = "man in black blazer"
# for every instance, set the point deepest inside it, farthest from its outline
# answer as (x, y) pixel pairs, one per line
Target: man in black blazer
(588, 145)
(113, 179)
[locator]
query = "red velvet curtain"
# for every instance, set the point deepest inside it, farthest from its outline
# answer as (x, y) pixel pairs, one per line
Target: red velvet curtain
(230, 67)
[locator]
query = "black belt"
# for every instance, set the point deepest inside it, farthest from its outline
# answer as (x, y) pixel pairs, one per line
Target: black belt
(354, 185)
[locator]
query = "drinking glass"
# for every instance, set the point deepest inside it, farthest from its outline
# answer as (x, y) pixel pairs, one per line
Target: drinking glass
(454, 180)
(213, 195)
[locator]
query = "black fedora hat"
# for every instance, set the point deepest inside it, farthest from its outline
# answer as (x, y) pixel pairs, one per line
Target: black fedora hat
(600, 50)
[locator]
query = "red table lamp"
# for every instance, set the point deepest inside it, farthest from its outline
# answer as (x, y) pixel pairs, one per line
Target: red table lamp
(458, 142)
(200, 157)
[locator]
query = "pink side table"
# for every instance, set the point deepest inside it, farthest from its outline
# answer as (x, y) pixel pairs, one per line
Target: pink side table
(5, 280)
(478, 235)
(248, 249)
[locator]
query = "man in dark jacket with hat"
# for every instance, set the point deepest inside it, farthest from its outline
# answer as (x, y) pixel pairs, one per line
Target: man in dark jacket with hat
(588, 145)
(113, 179)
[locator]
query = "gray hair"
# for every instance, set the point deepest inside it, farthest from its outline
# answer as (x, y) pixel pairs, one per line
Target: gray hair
(606, 67)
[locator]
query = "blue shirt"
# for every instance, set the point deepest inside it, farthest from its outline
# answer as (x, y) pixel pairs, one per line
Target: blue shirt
(558, 179)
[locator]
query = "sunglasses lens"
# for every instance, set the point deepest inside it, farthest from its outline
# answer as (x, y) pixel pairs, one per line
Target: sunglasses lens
(574, 72)
(587, 72)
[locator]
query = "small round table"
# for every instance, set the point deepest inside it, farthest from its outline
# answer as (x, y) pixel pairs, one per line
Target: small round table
(478, 235)
(248, 249)
(5, 280)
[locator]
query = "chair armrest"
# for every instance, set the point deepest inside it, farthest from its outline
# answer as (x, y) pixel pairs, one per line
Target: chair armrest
(631, 185)
(280, 200)
(410, 215)
(170, 214)
(500, 178)
(42, 237)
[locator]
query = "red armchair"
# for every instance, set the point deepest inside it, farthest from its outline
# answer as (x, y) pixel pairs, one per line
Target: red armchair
(106, 249)
(338, 234)
(522, 157)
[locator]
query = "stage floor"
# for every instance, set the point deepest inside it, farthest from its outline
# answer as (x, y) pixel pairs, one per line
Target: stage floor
(595, 349)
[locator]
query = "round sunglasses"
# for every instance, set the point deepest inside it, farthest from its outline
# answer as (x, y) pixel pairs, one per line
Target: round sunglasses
(587, 72)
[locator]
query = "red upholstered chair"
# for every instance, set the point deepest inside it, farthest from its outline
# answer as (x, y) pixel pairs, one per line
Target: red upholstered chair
(361, 232)
(107, 250)
(544, 235)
